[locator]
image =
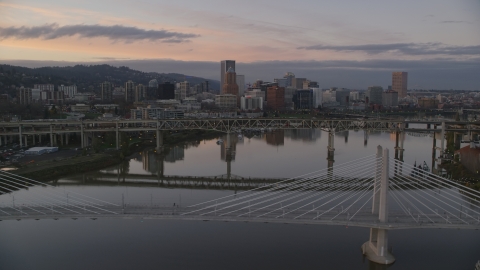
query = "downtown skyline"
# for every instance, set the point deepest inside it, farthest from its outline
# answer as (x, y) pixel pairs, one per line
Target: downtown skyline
(351, 45)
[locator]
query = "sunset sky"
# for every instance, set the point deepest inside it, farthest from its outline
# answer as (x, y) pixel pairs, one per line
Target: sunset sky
(309, 38)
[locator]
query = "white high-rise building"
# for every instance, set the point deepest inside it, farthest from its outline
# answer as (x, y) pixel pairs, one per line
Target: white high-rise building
(241, 85)
(354, 95)
(251, 103)
(68, 91)
(317, 97)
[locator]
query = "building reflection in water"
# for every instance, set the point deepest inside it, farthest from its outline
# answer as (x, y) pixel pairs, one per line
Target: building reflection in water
(306, 135)
(275, 138)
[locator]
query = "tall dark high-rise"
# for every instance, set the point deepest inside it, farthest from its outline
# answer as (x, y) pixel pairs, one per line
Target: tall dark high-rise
(399, 83)
(166, 91)
(230, 86)
(224, 66)
(107, 90)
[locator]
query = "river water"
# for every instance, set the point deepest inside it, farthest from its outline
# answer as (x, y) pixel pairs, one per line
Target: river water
(155, 244)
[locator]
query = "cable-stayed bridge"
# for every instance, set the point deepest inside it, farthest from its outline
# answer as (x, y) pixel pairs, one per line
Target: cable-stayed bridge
(375, 191)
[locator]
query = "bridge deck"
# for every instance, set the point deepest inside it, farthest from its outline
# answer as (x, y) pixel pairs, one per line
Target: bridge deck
(364, 218)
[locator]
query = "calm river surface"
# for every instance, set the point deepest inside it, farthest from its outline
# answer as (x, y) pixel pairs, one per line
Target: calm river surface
(154, 244)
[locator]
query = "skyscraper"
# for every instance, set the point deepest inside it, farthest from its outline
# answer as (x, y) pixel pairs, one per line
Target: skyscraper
(374, 95)
(224, 66)
(230, 86)
(107, 90)
(140, 92)
(276, 97)
(130, 91)
(166, 91)
(241, 84)
(399, 83)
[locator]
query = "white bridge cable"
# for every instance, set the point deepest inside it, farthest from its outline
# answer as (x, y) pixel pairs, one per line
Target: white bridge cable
(455, 195)
(398, 200)
(280, 182)
(416, 192)
(13, 207)
(332, 200)
(73, 199)
(345, 190)
(82, 195)
(414, 204)
(333, 188)
(313, 183)
(359, 198)
(42, 200)
(445, 181)
(52, 192)
(361, 207)
(23, 205)
(60, 202)
(283, 187)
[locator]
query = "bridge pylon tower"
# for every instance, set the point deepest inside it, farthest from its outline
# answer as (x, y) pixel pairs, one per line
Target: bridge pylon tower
(376, 248)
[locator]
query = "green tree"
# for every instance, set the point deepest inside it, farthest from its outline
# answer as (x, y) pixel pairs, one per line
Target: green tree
(96, 144)
(46, 113)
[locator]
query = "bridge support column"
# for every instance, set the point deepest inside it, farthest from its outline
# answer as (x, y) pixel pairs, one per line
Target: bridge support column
(33, 138)
(67, 135)
(82, 138)
(442, 142)
(228, 155)
(457, 138)
(159, 140)
(26, 139)
(365, 137)
(331, 148)
(20, 134)
(376, 249)
(116, 135)
(51, 136)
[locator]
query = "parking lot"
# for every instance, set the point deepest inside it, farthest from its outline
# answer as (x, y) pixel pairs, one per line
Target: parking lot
(13, 154)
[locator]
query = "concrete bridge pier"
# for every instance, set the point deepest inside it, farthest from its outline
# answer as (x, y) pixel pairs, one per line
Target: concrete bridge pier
(376, 248)
(67, 138)
(82, 138)
(228, 155)
(26, 140)
(399, 140)
(116, 136)
(159, 140)
(331, 147)
(365, 137)
(20, 135)
(457, 138)
(51, 135)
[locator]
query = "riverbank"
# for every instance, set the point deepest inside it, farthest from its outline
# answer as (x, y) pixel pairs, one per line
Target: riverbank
(88, 161)
(459, 173)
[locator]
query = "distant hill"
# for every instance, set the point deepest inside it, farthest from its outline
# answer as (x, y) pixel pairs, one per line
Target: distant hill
(87, 77)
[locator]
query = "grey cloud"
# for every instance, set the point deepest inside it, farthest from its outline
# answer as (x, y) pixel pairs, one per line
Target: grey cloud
(454, 22)
(426, 74)
(404, 48)
(112, 32)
